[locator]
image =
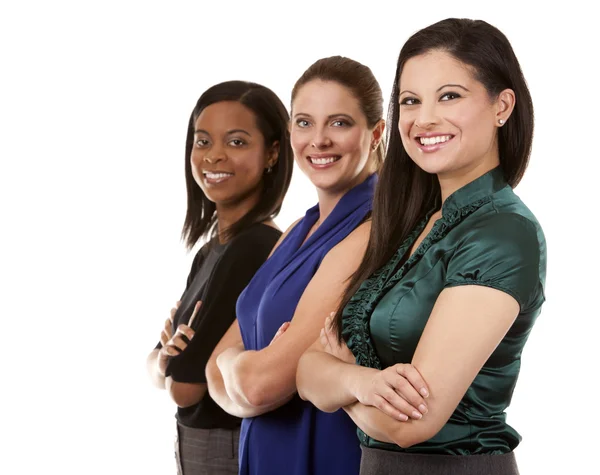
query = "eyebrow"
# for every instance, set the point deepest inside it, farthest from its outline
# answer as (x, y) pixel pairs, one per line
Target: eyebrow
(329, 117)
(229, 132)
(438, 89)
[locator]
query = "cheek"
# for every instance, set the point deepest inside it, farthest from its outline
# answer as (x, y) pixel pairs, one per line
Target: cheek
(298, 141)
(353, 140)
(196, 161)
(250, 165)
(404, 129)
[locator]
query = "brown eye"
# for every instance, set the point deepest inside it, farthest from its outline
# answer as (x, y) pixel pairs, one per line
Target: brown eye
(449, 96)
(408, 101)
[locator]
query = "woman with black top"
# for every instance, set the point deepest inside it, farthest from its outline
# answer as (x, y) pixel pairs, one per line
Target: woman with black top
(238, 166)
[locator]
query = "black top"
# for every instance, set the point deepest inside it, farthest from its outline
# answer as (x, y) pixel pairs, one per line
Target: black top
(218, 275)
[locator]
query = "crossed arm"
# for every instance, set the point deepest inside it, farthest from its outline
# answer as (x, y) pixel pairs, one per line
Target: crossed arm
(250, 383)
(466, 325)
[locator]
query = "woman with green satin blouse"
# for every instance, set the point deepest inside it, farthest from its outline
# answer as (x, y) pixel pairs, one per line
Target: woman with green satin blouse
(425, 350)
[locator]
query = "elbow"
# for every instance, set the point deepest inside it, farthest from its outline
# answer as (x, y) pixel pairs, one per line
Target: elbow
(301, 380)
(185, 395)
(254, 395)
(422, 432)
(249, 385)
(304, 383)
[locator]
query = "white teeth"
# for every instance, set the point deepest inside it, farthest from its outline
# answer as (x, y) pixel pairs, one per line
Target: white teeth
(434, 140)
(217, 176)
(323, 161)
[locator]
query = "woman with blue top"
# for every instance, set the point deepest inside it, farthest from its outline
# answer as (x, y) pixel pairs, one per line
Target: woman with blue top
(453, 278)
(336, 130)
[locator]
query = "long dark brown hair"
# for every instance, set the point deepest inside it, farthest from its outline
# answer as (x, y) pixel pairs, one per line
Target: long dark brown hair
(405, 192)
(272, 119)
(361, 82)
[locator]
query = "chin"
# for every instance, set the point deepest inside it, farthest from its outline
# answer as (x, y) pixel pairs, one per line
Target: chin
(434, 165)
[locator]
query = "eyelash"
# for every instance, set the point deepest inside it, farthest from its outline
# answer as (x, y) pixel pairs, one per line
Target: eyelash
(342, 122)
(203, 143)
(455, 95)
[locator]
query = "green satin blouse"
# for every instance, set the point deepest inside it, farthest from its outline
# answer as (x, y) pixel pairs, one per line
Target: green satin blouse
(486, 236)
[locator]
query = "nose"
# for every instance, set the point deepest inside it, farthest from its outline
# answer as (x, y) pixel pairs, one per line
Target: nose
(426, 117)
(321, 140)
(215, 154)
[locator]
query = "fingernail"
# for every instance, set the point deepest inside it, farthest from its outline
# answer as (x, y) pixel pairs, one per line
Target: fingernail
(423, 409)
(417, 415)
(403, 417)
(424, 392)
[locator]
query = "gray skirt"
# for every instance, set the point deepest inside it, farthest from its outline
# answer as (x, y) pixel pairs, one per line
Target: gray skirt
(206, 451)
(387, 462)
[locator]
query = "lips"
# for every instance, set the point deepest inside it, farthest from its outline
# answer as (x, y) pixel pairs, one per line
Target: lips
(433, 142)
(323, 160)
(216, 177)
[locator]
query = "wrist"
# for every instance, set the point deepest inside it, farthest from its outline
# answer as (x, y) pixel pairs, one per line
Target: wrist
(355, 377)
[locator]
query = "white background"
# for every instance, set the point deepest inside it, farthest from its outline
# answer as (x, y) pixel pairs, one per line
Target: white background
(94, 104)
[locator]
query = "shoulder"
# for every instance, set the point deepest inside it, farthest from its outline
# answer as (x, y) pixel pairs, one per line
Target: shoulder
(354, 245)
(285, 235)
(256, 239)
(505, 230)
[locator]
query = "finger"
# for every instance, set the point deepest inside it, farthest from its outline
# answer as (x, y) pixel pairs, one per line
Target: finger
(323, 339)
(194, 313)
(168, 328)
(281, 331)
(169, 350)
(164, 338)
(403, 387)
(414, 378)
(384, 406)
(177, 304)
(329, 323)
(185, 330)
(178, 343)
(399, 403)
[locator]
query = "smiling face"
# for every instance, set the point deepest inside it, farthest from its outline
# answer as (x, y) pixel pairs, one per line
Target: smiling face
(448, 122)
(229, 156)
(330, 137)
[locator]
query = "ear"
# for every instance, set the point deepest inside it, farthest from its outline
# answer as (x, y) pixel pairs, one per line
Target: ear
(378, 134)
(273, 154)
(505, 104)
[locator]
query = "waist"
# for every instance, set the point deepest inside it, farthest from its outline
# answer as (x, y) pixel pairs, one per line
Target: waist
(384, 462)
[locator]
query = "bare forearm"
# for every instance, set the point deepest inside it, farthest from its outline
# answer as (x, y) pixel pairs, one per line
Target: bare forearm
(185, 394)
(326, 381)
(383, 428)
(218, 392)
(249, 381)
(226, 366)
(152, 366)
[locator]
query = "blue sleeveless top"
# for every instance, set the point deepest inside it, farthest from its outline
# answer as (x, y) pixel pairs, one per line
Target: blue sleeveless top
(297, 438)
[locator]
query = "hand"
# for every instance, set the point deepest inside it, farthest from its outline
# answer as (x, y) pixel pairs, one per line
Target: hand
(330, 343)
(280, 332)
(397, 391)
(165, 336)
(175, 343)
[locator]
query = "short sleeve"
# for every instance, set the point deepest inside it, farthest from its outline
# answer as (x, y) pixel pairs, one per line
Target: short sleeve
(501, 252)
(232, 273)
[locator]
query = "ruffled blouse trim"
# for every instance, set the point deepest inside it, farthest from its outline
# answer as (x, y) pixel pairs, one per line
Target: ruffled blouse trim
(357, 313)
